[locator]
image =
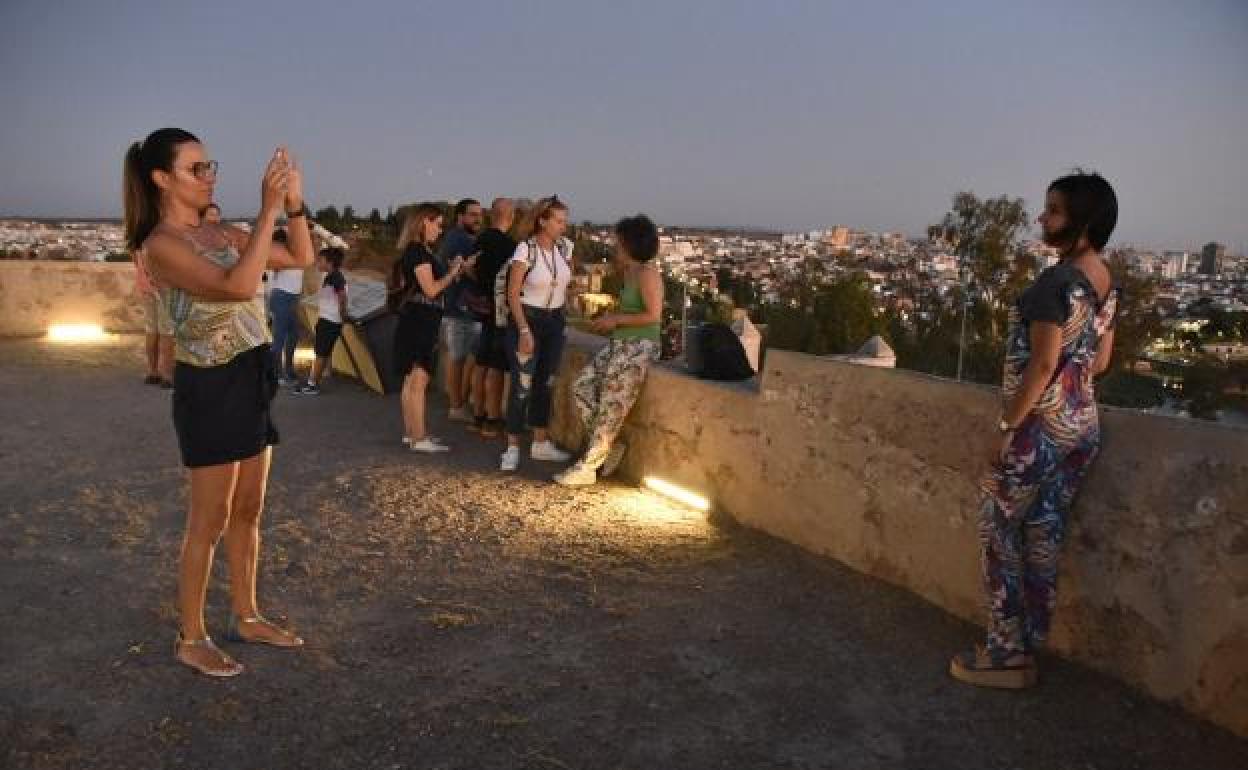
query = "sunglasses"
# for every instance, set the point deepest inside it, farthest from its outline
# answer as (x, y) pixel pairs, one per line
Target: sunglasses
(204, 170)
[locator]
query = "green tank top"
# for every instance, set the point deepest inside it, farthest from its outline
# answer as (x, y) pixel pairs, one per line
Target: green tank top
(631, 302)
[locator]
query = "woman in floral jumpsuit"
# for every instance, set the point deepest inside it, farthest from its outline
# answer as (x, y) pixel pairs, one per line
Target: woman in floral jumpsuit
(1060, 338)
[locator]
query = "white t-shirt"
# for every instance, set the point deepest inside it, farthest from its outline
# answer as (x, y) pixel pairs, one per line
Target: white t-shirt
(289, 280)
(327, 298)
(546, 285)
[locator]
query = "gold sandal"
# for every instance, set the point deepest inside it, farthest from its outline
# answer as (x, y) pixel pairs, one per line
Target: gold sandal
(228, 666)
(234, 633)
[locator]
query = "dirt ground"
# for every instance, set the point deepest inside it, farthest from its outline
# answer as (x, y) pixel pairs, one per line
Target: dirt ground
(458, 618)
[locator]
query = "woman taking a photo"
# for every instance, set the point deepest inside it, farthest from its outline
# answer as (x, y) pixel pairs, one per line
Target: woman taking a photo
(1061, 336)
(223, 379)
(417, 282)
(537, 288)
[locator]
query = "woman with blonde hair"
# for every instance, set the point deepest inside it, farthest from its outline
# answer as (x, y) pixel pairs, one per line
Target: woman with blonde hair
(537, 288)
(417, 282)
(209, 274)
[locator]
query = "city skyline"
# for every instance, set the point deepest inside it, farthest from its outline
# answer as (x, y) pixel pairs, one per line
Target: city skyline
(701, 114)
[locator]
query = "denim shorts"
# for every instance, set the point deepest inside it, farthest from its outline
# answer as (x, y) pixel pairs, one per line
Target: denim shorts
(461, 336)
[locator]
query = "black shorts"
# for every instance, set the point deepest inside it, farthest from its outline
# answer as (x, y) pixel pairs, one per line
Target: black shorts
(490, 352)
(416, 339)
(222, 413)
(327, 334)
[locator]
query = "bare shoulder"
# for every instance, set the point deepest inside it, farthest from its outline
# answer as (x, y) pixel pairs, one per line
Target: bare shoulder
(162, 244)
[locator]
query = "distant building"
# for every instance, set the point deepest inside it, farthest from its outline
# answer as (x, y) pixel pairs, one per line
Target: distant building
(838, 237)
(1174, 265)
(1211, 257)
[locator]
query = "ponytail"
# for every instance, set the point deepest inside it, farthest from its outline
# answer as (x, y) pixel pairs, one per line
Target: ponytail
(140, 195)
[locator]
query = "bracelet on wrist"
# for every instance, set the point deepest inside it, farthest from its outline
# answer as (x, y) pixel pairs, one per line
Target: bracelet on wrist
(526, 330)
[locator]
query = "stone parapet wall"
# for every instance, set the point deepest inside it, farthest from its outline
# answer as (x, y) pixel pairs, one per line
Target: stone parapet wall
(877, 468)
(37, 293)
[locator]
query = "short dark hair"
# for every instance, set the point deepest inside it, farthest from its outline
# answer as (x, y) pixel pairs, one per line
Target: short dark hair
(1091, 208)
(463, 205)
(638, 236)
(334, 256)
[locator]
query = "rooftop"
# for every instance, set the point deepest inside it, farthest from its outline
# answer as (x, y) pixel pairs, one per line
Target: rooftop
(459, 618)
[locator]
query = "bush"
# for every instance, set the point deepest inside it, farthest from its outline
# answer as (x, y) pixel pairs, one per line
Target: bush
(1131, 390)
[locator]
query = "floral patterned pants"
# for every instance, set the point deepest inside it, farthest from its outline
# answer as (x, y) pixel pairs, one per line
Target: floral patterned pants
(1022, 523)
(606, 390)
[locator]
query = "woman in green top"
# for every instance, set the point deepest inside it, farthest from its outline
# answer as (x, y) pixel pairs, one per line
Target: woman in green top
(608, 387)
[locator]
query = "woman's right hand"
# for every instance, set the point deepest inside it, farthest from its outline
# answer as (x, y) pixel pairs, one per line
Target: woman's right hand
(526, 344)
(273, 184)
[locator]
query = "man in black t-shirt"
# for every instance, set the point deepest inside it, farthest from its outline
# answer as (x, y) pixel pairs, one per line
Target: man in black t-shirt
(496, 248)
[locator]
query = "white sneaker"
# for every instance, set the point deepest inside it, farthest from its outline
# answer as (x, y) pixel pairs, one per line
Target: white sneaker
(427, 445)
(576, 476)
(459, 414)
(407, 441)
(511, 459)
(547, 451)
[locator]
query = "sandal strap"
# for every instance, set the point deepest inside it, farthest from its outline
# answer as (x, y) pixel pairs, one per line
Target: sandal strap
(205, 642)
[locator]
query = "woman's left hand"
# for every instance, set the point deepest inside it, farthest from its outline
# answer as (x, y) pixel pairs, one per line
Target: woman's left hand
(1001, 447)
(294, 185)
(604, 324)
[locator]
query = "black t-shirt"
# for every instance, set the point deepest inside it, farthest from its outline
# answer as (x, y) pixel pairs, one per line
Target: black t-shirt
(414, 256)
(497, 247)
(1048, 299)
(335, 280)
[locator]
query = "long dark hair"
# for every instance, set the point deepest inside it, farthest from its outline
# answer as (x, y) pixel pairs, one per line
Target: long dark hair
(140, 194)
(1091, 209)
(412, 233)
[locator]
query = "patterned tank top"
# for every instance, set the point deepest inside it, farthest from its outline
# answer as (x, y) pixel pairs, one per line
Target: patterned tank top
(212, 332)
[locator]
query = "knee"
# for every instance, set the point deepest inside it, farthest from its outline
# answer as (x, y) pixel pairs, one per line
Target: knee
(208, 524)
(246, 509)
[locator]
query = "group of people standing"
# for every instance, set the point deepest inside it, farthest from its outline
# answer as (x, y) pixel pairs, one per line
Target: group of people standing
(497, 295)
(498, 298)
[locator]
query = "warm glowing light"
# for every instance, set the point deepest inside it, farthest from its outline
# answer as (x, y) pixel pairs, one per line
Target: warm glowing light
(679, 494)
(76, 333)
(304, 355)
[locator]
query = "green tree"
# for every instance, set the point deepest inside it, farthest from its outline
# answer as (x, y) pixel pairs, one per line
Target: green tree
(374, 219)
(1139, 321)
(987, 234)
(823, 317)
(1204, 389)
(329, 218)
(348, 217)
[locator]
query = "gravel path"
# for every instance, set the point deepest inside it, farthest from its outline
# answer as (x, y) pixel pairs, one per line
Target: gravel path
(457, 618)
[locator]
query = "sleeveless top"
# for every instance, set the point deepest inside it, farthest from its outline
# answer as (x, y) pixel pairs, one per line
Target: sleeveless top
(1062, 295)
(631, 302)
(212, 332)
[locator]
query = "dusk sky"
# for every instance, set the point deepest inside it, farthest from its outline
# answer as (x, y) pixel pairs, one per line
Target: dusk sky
(787, 115)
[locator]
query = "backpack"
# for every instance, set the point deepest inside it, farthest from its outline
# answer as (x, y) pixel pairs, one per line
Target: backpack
(501, 310)
(723, 356)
